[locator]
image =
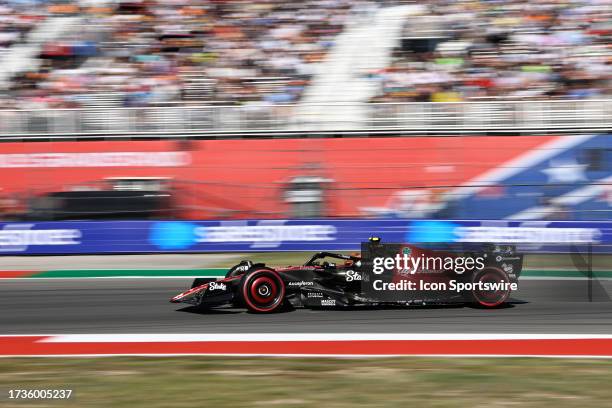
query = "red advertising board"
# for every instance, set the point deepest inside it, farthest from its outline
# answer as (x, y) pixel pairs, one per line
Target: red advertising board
(248, 178)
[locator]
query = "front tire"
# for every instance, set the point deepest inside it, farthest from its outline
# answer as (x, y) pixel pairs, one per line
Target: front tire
(262, 291)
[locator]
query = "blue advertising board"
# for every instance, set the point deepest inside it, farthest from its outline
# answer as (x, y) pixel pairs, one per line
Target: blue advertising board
(100, 237)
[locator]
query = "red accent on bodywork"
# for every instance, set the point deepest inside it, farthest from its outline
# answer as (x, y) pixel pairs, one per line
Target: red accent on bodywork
(191, 291)
(178, 298)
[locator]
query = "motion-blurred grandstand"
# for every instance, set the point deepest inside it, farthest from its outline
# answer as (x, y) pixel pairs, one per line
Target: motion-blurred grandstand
(522, 87)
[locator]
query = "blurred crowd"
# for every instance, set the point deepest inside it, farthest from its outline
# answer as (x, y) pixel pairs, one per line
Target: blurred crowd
(163, 52)
(139, 53)
(16, 21)
(469, 50)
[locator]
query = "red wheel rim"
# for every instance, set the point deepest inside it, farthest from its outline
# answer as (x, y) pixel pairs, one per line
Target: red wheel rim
(491, 298)
(263, 291)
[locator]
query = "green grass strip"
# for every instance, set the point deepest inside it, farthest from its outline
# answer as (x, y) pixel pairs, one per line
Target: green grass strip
(310, 383)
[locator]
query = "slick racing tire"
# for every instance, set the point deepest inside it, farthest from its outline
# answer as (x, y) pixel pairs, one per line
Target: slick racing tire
(489, 298)
(262, 291)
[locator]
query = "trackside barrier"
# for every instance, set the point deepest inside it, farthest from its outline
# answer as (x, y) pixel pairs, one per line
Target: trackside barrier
(105, 237)
(486, 116)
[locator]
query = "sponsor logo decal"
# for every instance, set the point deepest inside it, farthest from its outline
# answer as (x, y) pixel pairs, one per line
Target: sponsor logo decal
(328, 302)
(172, 235)
(217, 286)
(314, 295)
(18, 237)
(96, 159)
(526, 233)
(301, 283)
(265, 234)
(431, 231)
(353, 276)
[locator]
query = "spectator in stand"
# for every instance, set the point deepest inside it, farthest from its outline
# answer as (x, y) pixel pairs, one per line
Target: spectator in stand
(510, 49)
(16, 20)
(153, 52)
(164, 52)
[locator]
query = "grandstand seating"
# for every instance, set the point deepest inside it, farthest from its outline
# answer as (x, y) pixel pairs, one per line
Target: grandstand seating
(16, 20)
(502, 50)
(158, 52)
(234, 52)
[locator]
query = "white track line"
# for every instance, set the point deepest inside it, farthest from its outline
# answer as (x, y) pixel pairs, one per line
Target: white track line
(292, 337)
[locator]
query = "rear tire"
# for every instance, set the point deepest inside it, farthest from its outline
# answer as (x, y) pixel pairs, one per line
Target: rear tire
(489, 298)
(262, 291)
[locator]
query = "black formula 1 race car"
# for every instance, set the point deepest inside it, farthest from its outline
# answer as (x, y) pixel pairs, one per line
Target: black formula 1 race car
(334, 280)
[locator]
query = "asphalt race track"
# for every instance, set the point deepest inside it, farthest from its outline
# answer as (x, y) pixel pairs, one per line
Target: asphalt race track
(57, 306)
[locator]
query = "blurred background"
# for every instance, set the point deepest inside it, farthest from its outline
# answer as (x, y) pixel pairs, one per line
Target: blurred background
(241, 126)
(227, 110)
